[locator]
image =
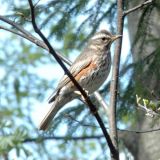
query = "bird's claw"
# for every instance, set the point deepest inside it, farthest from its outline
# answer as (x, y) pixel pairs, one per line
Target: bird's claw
(79, 94)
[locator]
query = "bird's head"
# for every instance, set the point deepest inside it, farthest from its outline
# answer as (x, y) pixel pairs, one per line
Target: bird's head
(102, 39)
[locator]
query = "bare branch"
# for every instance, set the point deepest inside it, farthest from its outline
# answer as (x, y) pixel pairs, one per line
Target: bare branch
(36, 3)
(13, 31)
(119, 130)
(18, 27)
(114, 80)
(75, 138)
(87, 99)
(28, 36)
(102, 102)
(140, 6)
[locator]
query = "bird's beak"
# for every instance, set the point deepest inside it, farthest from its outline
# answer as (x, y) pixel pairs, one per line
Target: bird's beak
(116, 37)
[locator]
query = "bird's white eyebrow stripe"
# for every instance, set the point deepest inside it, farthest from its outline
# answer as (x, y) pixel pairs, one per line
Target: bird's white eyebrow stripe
(99, 36)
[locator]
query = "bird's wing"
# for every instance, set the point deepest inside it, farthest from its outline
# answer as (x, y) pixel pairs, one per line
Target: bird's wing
(74, 70)
(79, 64)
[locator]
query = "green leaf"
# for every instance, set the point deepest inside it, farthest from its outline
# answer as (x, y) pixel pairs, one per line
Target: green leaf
(35, 56)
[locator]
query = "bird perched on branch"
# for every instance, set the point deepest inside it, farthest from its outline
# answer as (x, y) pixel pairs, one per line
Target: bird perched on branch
(90, 69)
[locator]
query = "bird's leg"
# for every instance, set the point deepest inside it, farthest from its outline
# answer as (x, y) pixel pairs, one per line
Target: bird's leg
(83, 99)
(79, 94)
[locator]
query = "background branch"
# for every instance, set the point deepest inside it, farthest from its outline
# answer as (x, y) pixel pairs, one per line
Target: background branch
(140, 6)
(119, 130)
(75, 138)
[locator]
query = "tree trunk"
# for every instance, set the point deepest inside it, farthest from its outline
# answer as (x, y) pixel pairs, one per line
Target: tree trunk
(145, 146)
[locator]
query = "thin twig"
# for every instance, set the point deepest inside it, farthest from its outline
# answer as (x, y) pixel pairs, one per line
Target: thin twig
(120, 130)
(149, 112)
(25, 34)
(36, 3)
(150, 109)
(13, 31)
(87, 99)
(18, 27)
(102, 102)
(140, 6)
(75, 138)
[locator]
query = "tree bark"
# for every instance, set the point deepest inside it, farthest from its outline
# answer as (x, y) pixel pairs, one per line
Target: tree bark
(145, 146)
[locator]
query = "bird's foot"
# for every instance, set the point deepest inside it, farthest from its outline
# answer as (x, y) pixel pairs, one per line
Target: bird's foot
(79, 94)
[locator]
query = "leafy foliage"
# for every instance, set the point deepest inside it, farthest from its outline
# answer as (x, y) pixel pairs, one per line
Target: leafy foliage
(12, 138)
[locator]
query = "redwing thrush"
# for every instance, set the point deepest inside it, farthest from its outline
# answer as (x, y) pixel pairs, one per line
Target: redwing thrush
(90, 69)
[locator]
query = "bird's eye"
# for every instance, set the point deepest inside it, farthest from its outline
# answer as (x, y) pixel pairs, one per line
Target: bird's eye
(104, 38)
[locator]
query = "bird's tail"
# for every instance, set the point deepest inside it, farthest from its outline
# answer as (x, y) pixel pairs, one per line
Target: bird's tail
(58, 103)
(49, 116)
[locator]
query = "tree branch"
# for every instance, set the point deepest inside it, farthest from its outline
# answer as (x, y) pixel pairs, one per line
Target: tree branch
(102, 102)
(140, 6)
(13, 31)
(75, 138)
(114, 80)
(87, 99)
(25, 34)
(119, 130)
(18, 27)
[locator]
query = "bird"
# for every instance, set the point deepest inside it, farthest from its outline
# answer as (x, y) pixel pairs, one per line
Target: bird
(90, 69)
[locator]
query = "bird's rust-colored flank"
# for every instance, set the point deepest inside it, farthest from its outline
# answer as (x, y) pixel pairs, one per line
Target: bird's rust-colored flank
(84, 71)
